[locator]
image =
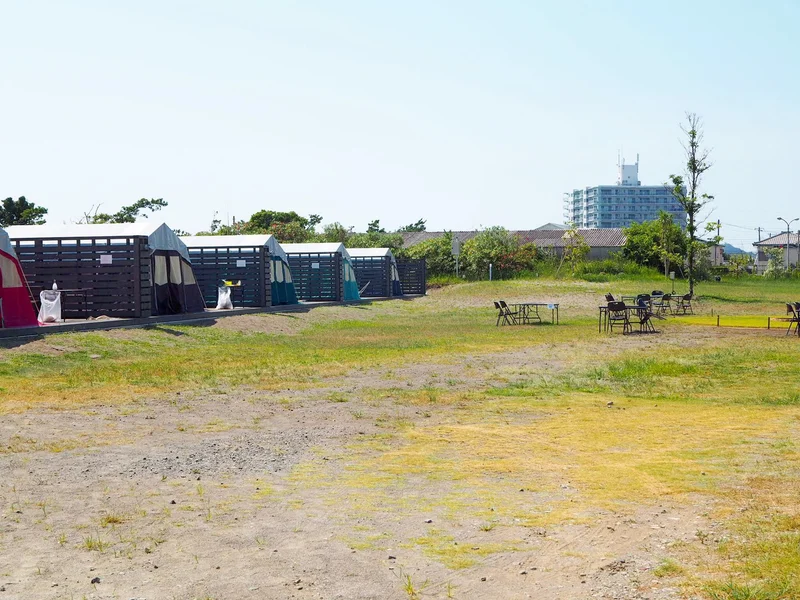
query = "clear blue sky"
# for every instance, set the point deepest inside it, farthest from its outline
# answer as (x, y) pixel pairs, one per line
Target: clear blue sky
(465, 113)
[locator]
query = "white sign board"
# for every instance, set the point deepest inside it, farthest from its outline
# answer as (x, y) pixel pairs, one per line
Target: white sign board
(241, 263)
(105, 259)
(315, 265)
(456, 247)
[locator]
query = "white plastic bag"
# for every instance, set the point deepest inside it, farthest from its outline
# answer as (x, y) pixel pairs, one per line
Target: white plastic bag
(224, 298)
(50, 311)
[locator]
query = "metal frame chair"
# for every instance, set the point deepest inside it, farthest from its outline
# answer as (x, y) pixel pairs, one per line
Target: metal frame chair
(794, 321)
(618, 315)
(663, 305)
(685, 305)
(510, 316)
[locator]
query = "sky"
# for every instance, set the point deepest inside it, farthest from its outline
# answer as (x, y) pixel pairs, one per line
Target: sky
(466, 114)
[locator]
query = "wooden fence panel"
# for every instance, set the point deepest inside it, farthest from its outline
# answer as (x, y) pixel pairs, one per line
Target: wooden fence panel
(413, 276)
(98, 276)
(250, 265)
(317, 277)
(375, 271)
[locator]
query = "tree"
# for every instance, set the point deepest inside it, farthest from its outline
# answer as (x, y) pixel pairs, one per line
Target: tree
(263, 219)
(740, 263)
(375, 240)
(21, 212)
(575, 249)
(686, 188)
(657, 243)
(437, 253)
(413, 227)
(290, 233)
(126, 214)
(335, 233)
(493, 245)
(375, 227)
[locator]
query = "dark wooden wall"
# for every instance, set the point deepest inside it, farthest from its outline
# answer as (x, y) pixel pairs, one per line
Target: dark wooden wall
(317, 277)
(413, 276)
(211, 265)
(375, 270)
(118, 289)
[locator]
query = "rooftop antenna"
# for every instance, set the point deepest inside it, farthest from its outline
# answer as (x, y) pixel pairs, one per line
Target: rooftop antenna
(637, 159)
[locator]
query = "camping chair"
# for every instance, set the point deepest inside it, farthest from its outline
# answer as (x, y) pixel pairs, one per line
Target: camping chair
(618, 315)
(644, 297)
(610, 298)
(794, 317)
(663, 305)
(684, 305)
(510, 316)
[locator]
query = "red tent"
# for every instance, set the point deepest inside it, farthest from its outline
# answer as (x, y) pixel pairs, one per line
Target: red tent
(16, 309)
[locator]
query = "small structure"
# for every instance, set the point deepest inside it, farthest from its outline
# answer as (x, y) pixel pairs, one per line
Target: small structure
(376, 272)
(322, 272)
(257, 261)
(113, 269)
(788, 244)
(16, 307)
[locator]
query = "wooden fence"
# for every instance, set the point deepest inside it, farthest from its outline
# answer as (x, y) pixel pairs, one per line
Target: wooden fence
(375, 271)
(317, 277)
(249, 265)
(413, 276)
(98, 276)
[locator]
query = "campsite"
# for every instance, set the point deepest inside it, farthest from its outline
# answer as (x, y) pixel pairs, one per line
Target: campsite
(408, 449)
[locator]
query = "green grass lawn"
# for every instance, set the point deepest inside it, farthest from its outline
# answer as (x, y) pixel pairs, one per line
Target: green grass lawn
(719, 417)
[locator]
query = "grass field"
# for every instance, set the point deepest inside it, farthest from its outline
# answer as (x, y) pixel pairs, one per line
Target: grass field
(498, 433)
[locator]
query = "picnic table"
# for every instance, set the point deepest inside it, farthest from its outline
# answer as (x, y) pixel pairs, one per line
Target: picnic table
(528, 312)
(603, 320)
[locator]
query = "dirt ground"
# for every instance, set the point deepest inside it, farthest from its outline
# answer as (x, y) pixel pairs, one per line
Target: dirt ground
(193, 496)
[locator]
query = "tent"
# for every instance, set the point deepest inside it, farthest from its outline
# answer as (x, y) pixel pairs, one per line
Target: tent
(257, 261)
(119, 269)
(16, 309)
(376, 269)
(322, 271)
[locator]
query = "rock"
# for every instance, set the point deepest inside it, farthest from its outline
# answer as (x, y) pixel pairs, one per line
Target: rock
(392, 557)
(172, 502)
(94, 356)
(523, 572)
(96, 580)
(610, 403)
(431, 520)
(483, 578)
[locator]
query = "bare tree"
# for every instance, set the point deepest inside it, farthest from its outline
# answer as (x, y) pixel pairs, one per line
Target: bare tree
(685, 188)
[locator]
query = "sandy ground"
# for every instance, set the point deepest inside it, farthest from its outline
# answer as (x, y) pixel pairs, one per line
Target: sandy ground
(194, 497)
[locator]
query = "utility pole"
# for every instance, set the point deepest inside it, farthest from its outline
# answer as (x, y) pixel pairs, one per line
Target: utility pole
(759, 233)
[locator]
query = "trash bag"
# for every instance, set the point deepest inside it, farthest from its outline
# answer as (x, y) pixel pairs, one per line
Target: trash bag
(50, 311)
(224, 298)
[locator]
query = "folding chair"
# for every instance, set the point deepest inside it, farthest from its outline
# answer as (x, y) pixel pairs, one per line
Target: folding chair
(794, 320)
(618, 315)
(685, 305)
(643, 315)
(663, 305)
(510, 316)
(610, 298)
(500, 315)
(646, 297)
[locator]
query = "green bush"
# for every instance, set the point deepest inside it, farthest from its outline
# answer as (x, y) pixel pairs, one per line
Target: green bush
(437, 253)
(614, 267)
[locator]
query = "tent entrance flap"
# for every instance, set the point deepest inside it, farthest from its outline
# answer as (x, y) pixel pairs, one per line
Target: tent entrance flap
(174, 290)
